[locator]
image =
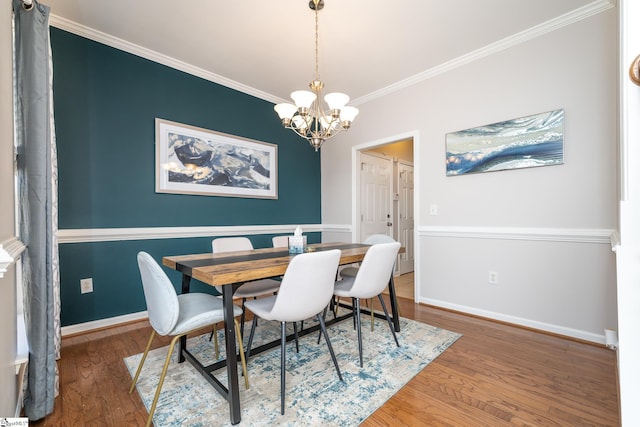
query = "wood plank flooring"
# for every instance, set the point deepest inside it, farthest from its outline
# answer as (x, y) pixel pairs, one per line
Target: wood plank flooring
(494, 375)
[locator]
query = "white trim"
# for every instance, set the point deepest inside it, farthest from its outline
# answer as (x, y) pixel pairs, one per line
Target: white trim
(102, 323)
(574, 235)
(336, 228)
(569, 18)
(84, 235)
(118, 43)
(541, 326)
(10, 251)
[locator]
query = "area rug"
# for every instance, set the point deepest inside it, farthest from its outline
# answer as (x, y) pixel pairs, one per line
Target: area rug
(314, 394)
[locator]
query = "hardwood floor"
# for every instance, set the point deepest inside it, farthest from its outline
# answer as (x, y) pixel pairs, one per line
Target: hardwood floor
(494, 375)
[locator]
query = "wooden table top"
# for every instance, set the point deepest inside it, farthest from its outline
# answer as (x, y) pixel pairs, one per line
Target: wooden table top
(242, 266)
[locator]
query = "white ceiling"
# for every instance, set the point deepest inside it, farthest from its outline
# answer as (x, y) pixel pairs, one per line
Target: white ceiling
(266, 48)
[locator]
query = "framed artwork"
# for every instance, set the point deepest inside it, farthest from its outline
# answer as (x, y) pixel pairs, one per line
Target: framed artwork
(526, 142)
(192, 160)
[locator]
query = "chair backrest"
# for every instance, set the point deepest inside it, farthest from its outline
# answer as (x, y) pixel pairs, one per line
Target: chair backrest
(375, 270)
(307, 286)
(374, 239)
(230, 244)
(161, 297)
(280, 241)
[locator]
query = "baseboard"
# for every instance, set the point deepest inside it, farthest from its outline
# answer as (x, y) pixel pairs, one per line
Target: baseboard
(85, 327)
(518, 321)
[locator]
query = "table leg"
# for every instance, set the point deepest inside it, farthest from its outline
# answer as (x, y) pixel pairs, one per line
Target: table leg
(394, 304)
(232, 355)
(186, 284)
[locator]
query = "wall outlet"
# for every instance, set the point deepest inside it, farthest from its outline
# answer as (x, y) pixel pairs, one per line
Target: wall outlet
(433, 209)
(86, 285)
(493, 278)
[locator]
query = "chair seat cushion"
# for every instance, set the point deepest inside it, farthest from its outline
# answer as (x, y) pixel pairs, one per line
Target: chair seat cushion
(261, 307)
(257, 288)
(349, 272)
(343, 287)
(198, 310)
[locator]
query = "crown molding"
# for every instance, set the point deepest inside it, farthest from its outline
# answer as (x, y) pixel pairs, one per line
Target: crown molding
(561, 21)
(143, 52)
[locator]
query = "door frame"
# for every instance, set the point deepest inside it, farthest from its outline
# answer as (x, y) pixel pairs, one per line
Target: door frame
(397, 207)
(355, 191)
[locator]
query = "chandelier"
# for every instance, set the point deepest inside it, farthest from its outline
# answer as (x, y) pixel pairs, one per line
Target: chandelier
(308, 117)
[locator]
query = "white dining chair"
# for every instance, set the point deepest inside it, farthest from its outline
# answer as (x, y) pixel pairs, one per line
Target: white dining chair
(280, 241)
(253, 289)
(372, 277)
(351, 271)
(176, 315)
(307, 287)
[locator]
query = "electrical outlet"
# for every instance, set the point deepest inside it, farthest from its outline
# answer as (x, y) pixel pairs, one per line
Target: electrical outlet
(493, 278)
(86, 285)
(433, 209)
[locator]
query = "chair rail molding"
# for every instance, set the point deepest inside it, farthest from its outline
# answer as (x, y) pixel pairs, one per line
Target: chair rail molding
(85, 235)
(574, 235)
(10, 251)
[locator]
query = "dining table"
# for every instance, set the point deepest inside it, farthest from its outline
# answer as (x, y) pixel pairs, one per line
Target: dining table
(229, 270)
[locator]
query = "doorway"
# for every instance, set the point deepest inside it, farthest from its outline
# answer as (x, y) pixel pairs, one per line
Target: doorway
(385, 201)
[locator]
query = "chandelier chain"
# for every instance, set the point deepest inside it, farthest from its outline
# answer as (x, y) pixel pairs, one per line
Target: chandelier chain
(317, 55)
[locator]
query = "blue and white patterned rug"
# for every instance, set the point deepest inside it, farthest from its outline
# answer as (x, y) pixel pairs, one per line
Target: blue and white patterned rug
(314, 394)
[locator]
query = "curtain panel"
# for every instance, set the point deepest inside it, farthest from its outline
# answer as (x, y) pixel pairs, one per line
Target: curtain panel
(37, 194)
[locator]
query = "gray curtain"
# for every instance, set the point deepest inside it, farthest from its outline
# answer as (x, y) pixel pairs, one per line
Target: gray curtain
(37, 192)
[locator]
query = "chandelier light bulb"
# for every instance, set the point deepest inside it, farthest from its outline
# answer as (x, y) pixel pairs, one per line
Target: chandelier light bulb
(336, 100)
(285, 110)
(303, 98)
(347, 114)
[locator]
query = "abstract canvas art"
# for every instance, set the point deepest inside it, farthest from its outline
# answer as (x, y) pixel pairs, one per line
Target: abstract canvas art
(526, 142)
(191, 160)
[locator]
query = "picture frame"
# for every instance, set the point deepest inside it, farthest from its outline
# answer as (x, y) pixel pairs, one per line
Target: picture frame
(193, 160)
(525, 142)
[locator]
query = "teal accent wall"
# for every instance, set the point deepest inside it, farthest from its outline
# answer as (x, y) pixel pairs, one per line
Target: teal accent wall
(105, 103)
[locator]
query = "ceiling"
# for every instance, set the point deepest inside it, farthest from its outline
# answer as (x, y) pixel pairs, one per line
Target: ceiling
(266, 48)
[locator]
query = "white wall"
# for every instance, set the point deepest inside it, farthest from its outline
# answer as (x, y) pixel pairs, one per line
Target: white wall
(7, 283)
(544, 230)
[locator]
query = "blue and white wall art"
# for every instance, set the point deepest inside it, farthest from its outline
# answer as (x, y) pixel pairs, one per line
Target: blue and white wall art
(525, 142)
(192, 160)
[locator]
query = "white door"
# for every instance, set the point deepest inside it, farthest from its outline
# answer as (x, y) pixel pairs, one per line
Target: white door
(375, 196)
(405, 217)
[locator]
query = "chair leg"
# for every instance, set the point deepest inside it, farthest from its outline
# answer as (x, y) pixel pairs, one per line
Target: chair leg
(253, 330)
(324, 315)
(242, 317)
(242, 357)
(283, 355)
(164, 373)
(386, 313)
(216, 346)
(144, 356)
(359, 328)
(323, 328)
(353, 313)
(371, 310)
(295, 334)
